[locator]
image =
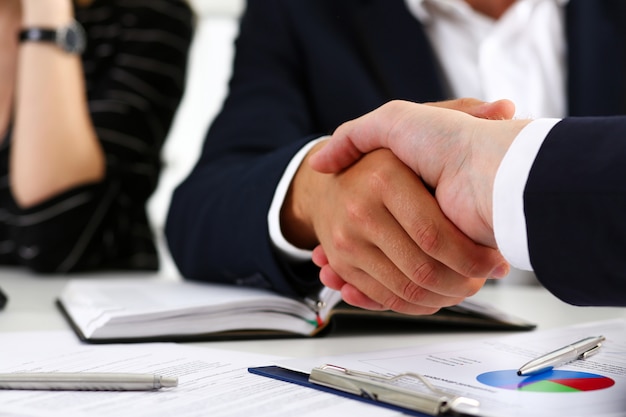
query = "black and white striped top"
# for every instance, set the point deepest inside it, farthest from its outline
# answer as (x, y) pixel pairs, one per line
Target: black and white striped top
(135, 66)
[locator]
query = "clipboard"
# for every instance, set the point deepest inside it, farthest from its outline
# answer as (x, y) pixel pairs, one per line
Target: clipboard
(378, 390)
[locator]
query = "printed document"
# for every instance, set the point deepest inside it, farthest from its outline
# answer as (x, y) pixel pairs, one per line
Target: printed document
(486, 370)
(211, 382)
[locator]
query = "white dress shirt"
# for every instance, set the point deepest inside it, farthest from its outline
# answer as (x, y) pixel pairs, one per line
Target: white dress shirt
(520, 56)
(509, 221)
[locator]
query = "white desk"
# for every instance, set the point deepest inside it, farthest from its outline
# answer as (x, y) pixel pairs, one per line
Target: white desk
(31, 307)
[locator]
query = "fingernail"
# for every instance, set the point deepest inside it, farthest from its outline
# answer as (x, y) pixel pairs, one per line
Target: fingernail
(501, 271)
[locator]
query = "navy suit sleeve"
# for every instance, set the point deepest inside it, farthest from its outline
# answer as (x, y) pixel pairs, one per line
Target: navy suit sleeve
(217, 224)
(575, 207)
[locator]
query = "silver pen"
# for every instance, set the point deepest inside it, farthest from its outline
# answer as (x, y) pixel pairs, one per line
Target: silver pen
(85, 381)
(578, 350)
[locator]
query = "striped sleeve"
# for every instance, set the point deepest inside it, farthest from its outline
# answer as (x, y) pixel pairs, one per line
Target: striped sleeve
(135, 67)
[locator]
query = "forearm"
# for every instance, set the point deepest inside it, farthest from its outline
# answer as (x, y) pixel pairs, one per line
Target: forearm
(54, 147)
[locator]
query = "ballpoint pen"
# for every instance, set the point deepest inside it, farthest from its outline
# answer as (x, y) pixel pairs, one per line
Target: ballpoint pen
(578, 350)
(85, 381)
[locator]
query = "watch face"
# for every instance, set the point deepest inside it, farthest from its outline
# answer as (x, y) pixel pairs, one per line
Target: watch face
(72, 38)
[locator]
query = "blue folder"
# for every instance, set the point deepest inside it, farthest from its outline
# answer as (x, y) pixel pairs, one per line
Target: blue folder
(302, 379)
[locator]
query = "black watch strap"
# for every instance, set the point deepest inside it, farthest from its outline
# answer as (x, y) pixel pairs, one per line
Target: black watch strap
(70, 38)
(38, 34)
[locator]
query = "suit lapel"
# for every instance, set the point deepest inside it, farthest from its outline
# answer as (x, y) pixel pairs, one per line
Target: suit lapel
(385, 31)
(596, 37)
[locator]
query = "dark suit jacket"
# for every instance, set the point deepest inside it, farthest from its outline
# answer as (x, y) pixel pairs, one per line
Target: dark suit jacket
(301, 69)
(575, 206)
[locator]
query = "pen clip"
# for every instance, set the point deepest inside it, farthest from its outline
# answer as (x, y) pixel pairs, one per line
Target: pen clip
(592, 351)
(382, 389)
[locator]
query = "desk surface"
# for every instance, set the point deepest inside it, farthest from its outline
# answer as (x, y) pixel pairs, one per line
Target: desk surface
(31, 307)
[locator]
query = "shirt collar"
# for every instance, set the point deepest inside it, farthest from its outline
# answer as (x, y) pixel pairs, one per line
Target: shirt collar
(419, 9)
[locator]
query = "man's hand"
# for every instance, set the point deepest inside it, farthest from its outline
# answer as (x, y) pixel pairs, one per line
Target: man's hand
(344, 150)
(453, 152)
(386, 243)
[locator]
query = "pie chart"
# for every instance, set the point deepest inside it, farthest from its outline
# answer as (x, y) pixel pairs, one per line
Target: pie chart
(551, 381)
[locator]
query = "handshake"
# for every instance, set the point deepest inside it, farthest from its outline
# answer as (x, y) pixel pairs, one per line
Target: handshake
(455, 148)
(457, 153)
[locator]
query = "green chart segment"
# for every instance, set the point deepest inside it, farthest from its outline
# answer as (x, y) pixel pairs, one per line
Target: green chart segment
(552, 381)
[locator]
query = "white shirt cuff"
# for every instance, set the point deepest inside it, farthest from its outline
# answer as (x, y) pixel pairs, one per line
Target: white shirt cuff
(509, 221)
(273, 217)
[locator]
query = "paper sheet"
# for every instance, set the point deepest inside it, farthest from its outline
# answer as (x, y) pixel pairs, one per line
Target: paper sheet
(212, 382)
(486, 370)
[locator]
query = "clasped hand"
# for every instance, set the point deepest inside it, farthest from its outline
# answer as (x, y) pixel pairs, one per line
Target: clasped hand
(402, 249)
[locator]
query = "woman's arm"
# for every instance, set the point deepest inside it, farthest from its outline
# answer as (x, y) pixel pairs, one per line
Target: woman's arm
(134, 75)
(55, 147)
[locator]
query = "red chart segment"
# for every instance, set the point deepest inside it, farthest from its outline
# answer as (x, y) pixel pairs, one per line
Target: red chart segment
(551, 381)
(586, 384)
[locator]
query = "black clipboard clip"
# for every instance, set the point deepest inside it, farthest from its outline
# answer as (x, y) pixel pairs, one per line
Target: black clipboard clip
(430, 400)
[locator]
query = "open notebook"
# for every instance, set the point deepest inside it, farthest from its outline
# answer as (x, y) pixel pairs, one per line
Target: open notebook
(140, 309)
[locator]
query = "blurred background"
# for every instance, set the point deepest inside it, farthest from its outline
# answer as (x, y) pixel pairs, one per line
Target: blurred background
(207, 79)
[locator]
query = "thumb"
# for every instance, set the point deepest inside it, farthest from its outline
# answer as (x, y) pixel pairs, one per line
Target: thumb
(348, 144)
(338, 153)
(497, 110)
(354, 138)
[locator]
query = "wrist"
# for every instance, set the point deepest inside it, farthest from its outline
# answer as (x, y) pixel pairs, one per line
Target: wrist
(296, 218)
(505, 132)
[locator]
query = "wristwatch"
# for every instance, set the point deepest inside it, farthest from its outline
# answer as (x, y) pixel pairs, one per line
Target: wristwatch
(70, 38)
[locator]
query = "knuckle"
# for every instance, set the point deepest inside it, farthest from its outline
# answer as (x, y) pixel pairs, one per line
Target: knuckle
(341, 242)
(413, 293)
(428, 235)
(361, 219)
(425, 274)
(380, 177)
(395, 303)
(472, 268)
(476, 265)
(357, 212)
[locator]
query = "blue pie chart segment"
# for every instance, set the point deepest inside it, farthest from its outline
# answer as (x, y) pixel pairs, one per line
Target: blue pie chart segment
(551, 381)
